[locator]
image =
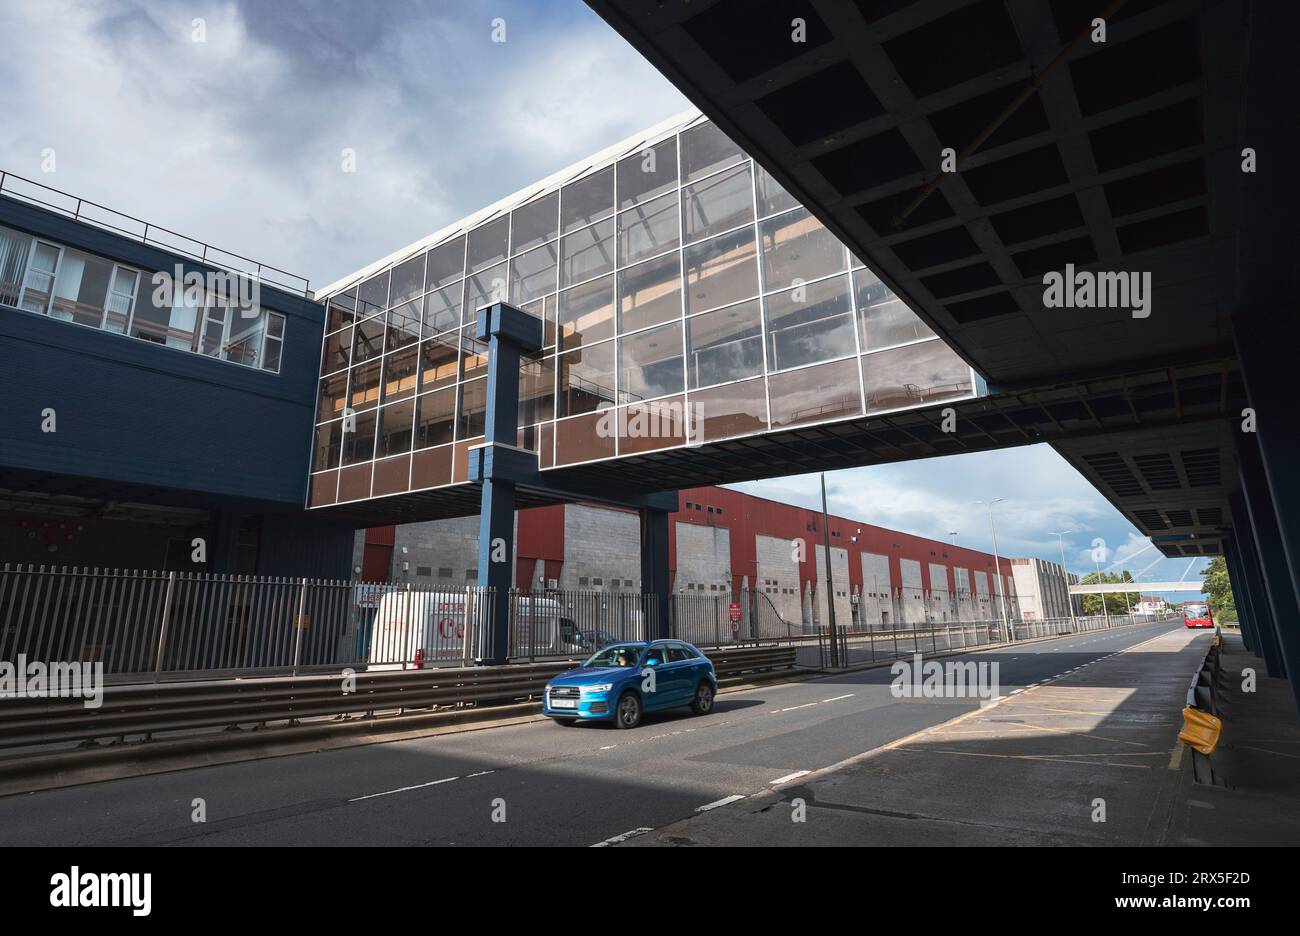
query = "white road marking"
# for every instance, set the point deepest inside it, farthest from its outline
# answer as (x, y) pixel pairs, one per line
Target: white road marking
(609, 747)
(838, 697)
(418, 786)
(793, 707)
(788, 777)
(722, 802)
(481, 773)
(623, 837)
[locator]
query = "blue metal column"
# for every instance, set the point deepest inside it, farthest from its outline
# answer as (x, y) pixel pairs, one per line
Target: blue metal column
(654, 571)
(1253, 585)
(509, 332)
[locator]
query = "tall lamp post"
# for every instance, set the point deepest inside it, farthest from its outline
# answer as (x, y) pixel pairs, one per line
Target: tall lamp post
(953, 534)
(1065, 573)
(830, 588)
(997, 566)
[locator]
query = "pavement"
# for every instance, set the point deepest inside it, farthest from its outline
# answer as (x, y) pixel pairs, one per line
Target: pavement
(542, 783)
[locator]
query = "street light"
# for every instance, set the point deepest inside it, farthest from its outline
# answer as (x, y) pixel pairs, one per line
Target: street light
(953, 534)
(1065, 574)
(997, 565)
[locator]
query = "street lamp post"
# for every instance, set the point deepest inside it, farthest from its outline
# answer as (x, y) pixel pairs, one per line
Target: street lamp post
(997, 567)
(1065, 573)
(830, 589)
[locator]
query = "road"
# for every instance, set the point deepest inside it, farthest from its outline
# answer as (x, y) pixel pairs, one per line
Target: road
(530, 784)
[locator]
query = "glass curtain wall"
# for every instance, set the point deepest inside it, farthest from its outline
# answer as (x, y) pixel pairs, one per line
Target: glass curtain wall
(686, 297)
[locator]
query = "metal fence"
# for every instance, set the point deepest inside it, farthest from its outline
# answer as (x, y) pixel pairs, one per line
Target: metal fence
(153, 625)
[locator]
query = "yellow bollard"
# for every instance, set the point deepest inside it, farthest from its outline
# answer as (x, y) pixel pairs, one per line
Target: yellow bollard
(1200, 730)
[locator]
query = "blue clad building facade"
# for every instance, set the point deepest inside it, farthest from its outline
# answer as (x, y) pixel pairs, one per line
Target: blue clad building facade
(135, 425)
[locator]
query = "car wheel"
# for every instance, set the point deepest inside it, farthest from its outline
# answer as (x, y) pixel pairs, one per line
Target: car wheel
(702, 704)
(628, 713)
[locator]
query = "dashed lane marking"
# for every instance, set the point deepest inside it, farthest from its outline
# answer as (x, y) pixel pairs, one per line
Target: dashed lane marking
(623, 837)
(788, 777)
(726, 800)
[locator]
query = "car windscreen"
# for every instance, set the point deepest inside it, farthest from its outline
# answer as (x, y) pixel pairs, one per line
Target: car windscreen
(617, 655)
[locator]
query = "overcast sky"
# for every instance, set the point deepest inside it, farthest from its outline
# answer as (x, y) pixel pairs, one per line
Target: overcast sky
(238, 140)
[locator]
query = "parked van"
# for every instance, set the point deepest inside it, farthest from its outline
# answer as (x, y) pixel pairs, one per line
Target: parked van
(415, 628)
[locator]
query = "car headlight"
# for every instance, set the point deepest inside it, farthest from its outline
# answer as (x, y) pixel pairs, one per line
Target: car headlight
(598, 689)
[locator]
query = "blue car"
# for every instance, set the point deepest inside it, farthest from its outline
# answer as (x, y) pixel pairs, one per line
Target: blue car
(627, 679)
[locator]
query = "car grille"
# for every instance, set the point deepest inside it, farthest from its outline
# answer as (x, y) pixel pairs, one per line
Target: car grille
(565, 692)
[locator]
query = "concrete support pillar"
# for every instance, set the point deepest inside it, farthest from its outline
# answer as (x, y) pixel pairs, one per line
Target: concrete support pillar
(655, 578)
(496, 540)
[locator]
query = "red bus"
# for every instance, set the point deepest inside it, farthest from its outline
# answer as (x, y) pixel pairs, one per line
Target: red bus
(1196, 614)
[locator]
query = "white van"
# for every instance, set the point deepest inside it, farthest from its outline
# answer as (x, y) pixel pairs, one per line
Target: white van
(414, 628)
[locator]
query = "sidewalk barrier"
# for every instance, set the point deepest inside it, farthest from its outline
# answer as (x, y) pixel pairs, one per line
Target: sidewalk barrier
(1202, 726)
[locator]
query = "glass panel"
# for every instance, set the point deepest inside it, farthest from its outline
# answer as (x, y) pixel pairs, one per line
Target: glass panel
(446, 263)
(442, 309)
(882, 317)
(535, 223)
(363, 392)
(721, 271)
(399, 374)
(587, 199)
(14, 251)
(725, 344)
(338, 351)
(586, 313)
(544, 309)
(368, 339)
(439, 361)
(718, 204)
(914, 375)
(81, 289)
(484, 289)
(797, 247)
(488, 244)
(435, 417)
(121, 299)
(408, 281)
(536, 391)
(736, 409)
(40, 281)
(473, 355)
(342, 310)
(587, 253)
(809, 323)
(472, 416)
(650, 293)
(771, 196)
(244, 346)
(815, 394)
(395, 428)
(333, 396)
(372, 296)
(650, 364)
(706, 149)
(213, 340)
(586, 379)
(647, 173)
(533, 274)
(359, 445)
(403, 326)
(329, 445)
(648, 229)
(172, 324)
(584, 438)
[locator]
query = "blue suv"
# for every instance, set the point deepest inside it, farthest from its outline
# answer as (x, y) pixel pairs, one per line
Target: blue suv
(624, 680)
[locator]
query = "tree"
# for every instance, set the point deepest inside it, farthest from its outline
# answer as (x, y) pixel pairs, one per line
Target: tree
(1219, 587)
(1118, 603)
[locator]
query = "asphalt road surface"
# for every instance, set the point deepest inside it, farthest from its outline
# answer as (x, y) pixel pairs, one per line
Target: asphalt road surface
(531, 784)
